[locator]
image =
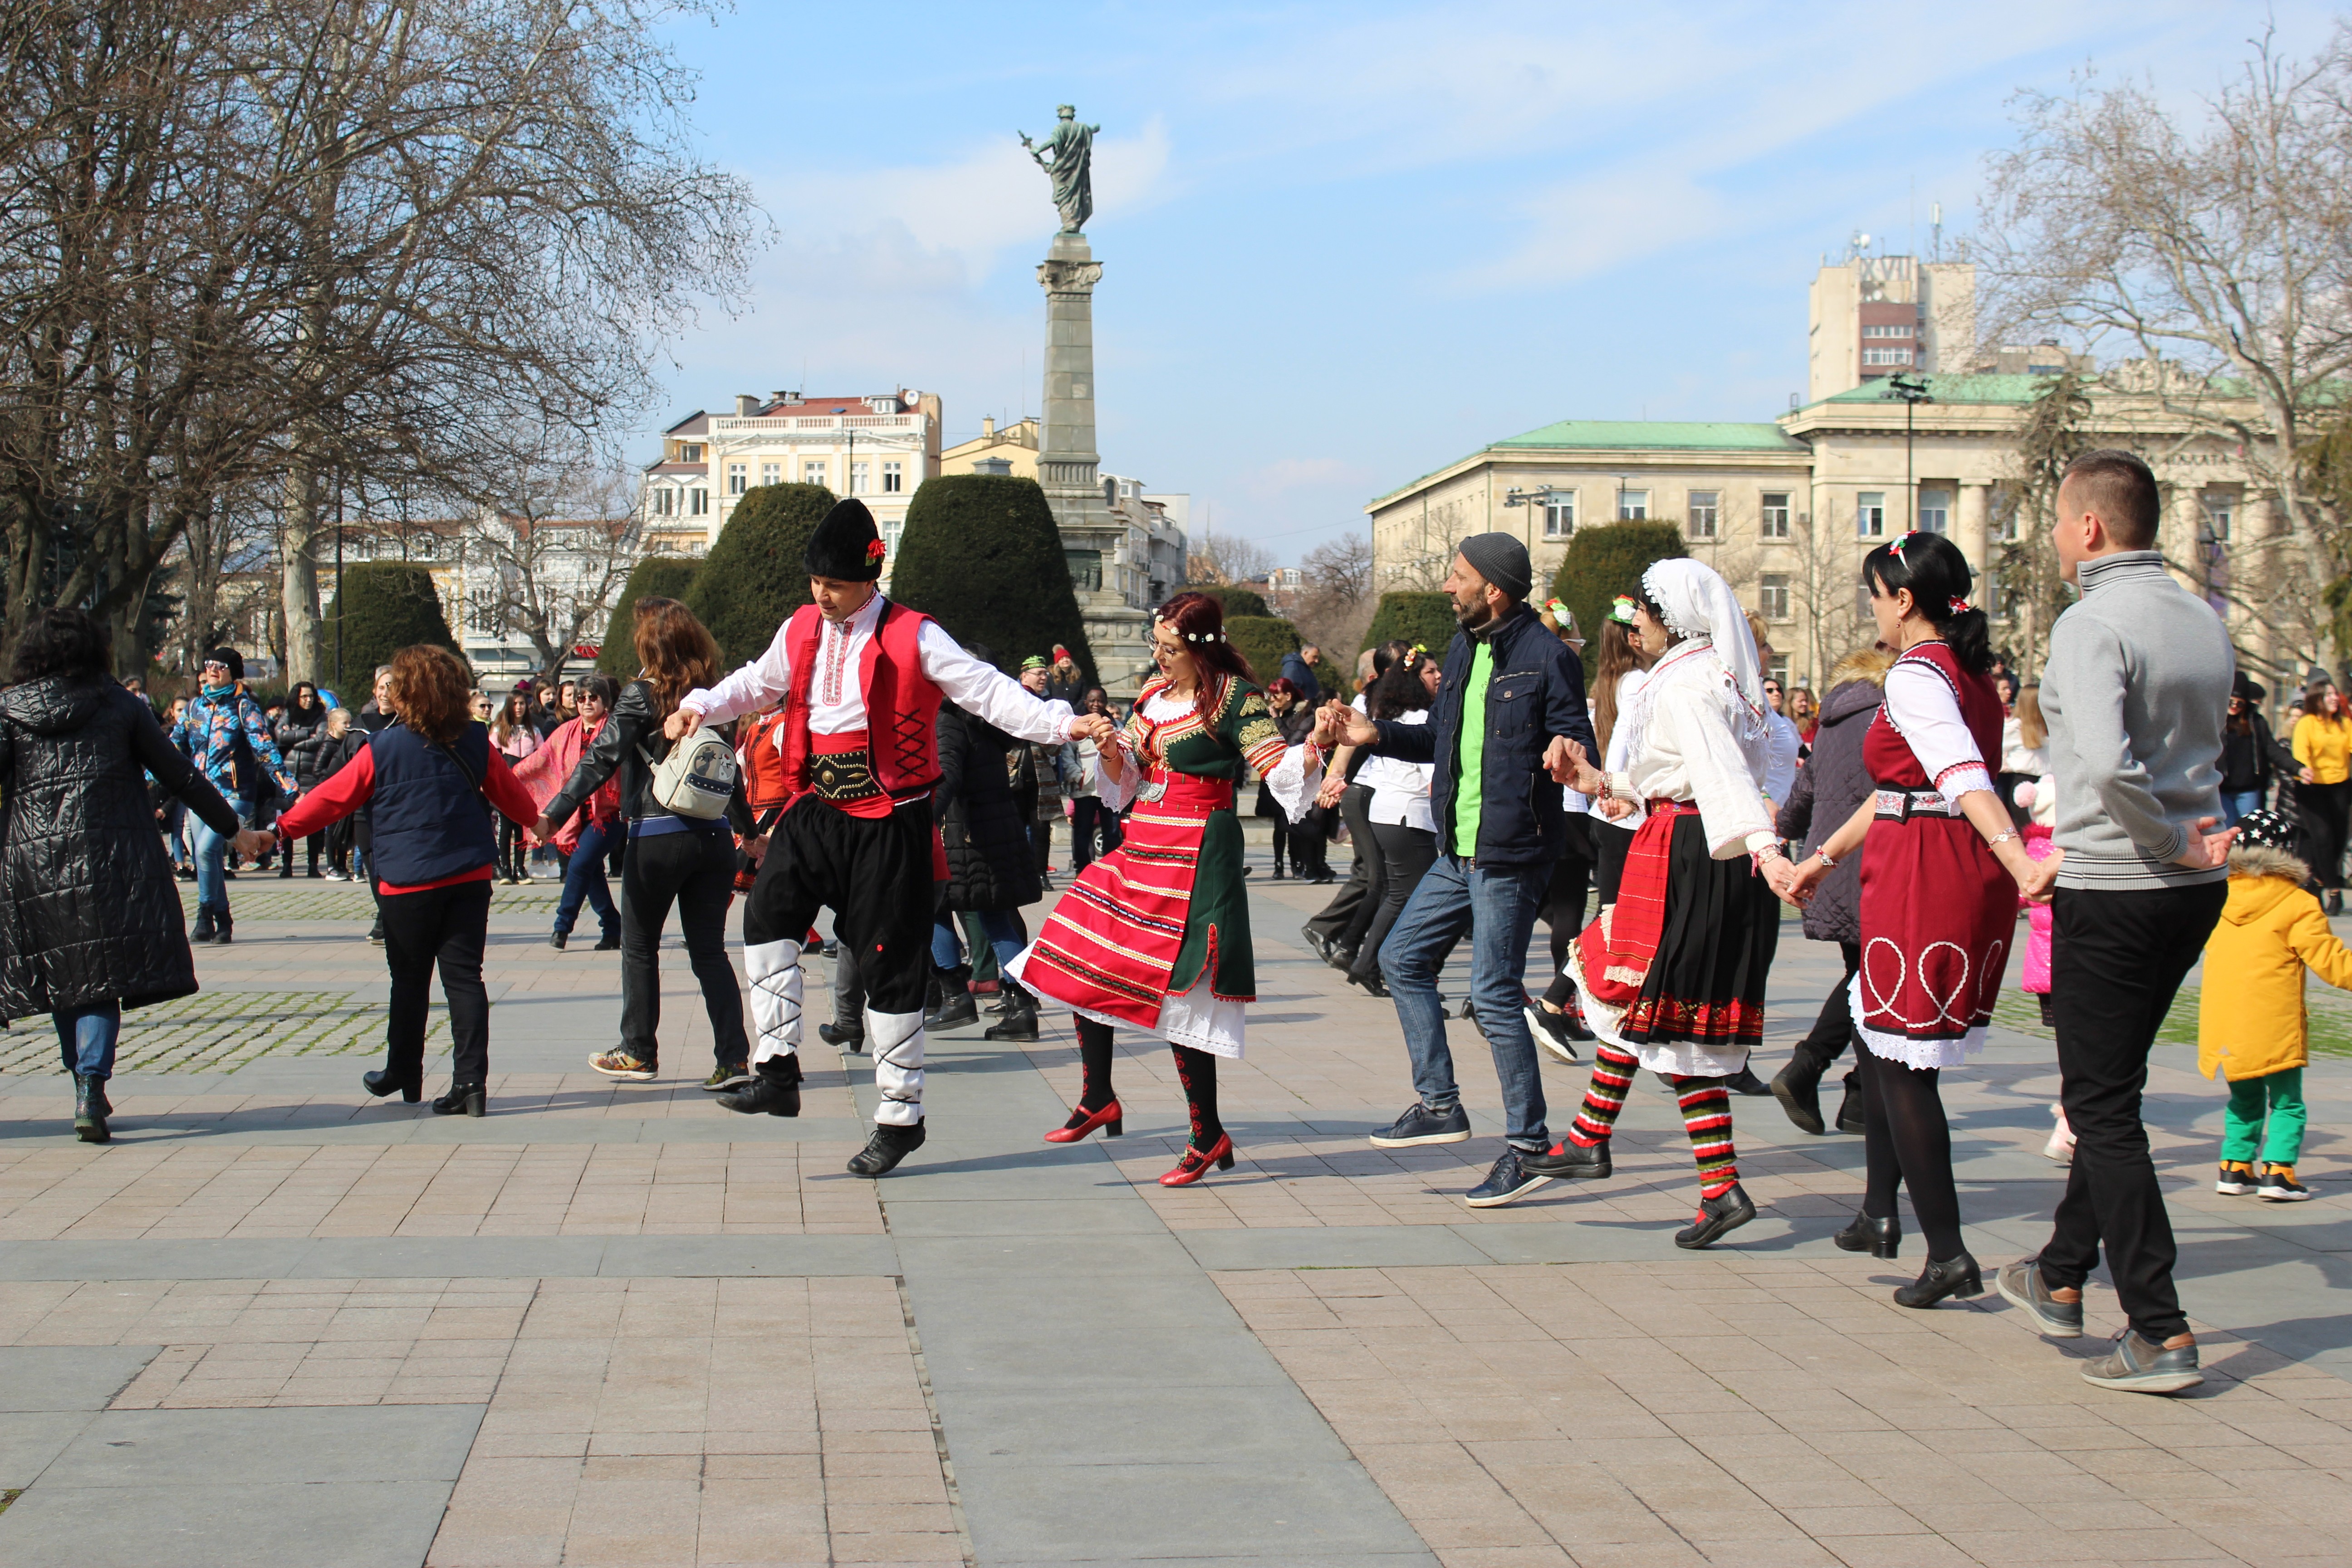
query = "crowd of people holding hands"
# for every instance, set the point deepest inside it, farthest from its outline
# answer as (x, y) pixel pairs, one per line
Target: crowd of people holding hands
(866, 764)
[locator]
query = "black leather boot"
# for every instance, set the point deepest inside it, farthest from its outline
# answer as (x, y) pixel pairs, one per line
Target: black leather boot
(380, 1083)
(956, 1006)
(774, 1089)
(222, 926)
(202, 931)
(1953, 1276)
(462, 1099)
(885, 1148)
(1798, 1088)
(1849, 1116)
(89, 1110)
(1878, 1237)
(1020, 1021)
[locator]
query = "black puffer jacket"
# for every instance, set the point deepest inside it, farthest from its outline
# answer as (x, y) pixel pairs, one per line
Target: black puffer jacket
(1828, 788)
(302, 740)
(88, 909)
(989, 863)
(636, 723)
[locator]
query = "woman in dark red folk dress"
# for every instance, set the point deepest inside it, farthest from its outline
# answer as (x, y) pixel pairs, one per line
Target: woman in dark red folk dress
(1156, 934)
(1942, 865)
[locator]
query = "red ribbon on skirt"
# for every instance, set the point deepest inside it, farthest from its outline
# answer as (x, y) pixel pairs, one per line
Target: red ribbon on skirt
(1617, 947)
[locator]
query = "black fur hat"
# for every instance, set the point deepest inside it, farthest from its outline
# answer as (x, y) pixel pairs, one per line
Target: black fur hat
(846, 545)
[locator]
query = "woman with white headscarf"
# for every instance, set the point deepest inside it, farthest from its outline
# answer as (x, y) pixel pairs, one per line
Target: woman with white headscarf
(1673, 972)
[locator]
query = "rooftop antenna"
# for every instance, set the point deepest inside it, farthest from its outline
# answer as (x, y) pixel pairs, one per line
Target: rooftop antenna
(1935, 230)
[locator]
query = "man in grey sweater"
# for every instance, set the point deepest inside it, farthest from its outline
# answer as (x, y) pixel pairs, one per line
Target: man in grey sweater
(2135, 691)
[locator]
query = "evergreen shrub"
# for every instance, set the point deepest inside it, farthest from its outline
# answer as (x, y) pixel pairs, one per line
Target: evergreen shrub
(653, 577)
(756, 575)
(385, 606)
(982, 556)
(1604, 561)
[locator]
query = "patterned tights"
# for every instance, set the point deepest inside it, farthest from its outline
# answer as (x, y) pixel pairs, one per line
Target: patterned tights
(1706, 1116)
(1196, 1069)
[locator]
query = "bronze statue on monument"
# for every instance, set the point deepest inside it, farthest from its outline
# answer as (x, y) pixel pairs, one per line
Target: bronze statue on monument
(1068, 156)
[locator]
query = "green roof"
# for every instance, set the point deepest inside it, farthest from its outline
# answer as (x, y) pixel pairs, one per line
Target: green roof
(1659, 436)
(1953, 389)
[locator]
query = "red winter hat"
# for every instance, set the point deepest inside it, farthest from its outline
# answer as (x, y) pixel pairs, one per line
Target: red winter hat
(1060, 653)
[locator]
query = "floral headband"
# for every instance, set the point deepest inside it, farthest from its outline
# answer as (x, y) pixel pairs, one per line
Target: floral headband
(1959, 602)
(1621, 612)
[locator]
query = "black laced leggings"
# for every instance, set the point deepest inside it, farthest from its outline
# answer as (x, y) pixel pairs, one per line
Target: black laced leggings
(1909, 1142)
(1197, 1071)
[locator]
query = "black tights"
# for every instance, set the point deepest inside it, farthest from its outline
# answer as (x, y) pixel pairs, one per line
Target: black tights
(1196, 1069)
(1907, 1141)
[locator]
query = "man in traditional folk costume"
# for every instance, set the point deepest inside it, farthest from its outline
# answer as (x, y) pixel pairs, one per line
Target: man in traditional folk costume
(861, 679)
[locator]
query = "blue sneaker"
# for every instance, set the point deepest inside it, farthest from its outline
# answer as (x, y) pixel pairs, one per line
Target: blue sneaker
(1510, 1181)
(1421, 1125)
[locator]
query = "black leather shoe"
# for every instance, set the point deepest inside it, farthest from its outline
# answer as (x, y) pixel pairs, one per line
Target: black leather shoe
(1798, 1088)
(1571, 1161)
(1020, 1023)
(1716, 1215)
(382, 1083)
(1745, 1082)
(463, 1099)
(842, 1036)
(763, 1094)
(1370, 985)
(556, 939)
(885, 1148)
(90, 1110)
(1317, 943)
(1878, 1237)
(1953, 1276)
(609, 942)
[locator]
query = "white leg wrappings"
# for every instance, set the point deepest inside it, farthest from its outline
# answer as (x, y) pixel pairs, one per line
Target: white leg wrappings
(896, 1041)
(775, 971)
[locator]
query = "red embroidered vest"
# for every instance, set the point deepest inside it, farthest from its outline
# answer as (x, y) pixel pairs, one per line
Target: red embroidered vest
(902, 706)
(1888, 757)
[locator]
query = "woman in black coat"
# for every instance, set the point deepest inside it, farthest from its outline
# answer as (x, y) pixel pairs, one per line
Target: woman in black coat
(1827, 789)
(991, 870)
(90, 921)
(301, 736)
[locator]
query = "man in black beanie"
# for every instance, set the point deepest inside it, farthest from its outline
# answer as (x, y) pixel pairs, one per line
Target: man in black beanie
(861, 679)
(1511, 699)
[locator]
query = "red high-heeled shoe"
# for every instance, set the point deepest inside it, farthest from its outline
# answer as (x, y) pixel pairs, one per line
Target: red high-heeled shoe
(1196, 1161)
(1111, 1118)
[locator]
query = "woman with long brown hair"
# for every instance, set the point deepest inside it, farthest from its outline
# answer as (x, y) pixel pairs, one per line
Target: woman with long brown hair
(671, 860)
(432, 783)
(1156, 934)
(512, 733)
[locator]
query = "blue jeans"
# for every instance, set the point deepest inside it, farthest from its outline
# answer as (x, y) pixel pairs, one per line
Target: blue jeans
(583, 878)
(1497, 909)
(1006, 938)
(211, 850)
(86, 1037)
(2236, 803)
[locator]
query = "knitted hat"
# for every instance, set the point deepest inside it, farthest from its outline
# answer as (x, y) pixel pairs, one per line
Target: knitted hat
(2268, 829)
(228, 656)
(1501, 559)
(1035, 661)
(846, 546)
(1061, 654)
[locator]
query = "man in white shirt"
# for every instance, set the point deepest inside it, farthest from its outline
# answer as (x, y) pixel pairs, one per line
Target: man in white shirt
(861, 679)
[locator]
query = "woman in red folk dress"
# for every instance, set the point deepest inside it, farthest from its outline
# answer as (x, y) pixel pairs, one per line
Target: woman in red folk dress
(1941, 866)
(1156, 934)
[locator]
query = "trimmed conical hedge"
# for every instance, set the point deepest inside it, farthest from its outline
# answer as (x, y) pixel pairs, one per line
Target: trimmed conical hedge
(653, 577)
(1261, 641)
(756, 575)
(1417, 618)
(981, 555)
(1237, 601)
(385, 606)
(1607, 560)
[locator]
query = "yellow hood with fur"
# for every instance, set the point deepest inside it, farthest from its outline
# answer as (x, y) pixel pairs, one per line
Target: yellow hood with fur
(2250, 1020)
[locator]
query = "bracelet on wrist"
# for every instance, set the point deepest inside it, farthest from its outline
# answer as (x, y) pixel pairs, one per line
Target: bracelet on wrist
(2000, 838)
(1827, 864)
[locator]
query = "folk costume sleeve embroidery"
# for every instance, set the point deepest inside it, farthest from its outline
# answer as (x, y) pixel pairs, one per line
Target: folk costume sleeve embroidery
(1925, 711)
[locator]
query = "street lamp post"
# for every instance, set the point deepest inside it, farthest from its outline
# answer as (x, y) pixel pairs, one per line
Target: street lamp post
(1912, 391)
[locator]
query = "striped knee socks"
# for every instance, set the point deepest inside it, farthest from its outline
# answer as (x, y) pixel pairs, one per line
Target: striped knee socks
(1613, 1075)
(1706, 1116)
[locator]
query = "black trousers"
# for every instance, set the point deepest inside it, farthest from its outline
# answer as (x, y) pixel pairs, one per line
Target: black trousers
(1834, 1026)
(1406, 855)
(2115, 960)
(1610, 843)
(2327, 811)
(1355, 808)
(695, 870)
(442, 926)
(874, 873)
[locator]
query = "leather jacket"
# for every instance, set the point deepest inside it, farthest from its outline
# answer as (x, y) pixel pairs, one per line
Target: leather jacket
(636, 721)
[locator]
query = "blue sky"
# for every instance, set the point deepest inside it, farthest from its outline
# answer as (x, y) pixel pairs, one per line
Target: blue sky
(1346, 244)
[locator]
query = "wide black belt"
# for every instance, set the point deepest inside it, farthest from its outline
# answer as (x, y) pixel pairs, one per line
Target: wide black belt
(844, 775)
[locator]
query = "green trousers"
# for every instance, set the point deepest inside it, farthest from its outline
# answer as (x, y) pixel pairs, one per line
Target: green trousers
(2241, 1125)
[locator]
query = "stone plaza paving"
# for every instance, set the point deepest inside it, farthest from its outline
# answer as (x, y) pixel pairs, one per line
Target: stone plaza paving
(276, 1323)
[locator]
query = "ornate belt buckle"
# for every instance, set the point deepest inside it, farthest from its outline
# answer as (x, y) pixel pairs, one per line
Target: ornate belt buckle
(1152, 790)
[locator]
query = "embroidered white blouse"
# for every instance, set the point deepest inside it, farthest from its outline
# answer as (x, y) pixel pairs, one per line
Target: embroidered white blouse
(1689, 753)
(1923, 710)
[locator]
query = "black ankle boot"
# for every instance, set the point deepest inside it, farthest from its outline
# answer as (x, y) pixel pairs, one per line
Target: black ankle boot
(956, 1006)
(1878, 1237)
(774, 1089)
(380, 1083)
(885, 1148)
(90, 1109)
(1020, 1021)
(1798, 1088)
(1849, 1116)
(222, 926)
(462, 1099)
(202, 931)
(1953, 1276)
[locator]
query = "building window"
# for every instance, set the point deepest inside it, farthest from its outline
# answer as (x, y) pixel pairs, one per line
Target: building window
(1773, 603)
(1085, 568)
(1870, 515)
(739, 476)
(1705, 506)
(2004, 516)
(1989, 593)
(1632, 506)
(858, 471)
(1899, 329)
(424, 547)
(771, 473)
(690, 454)
(659, 501)
(1935, 512)
(1560, 515)
(701, 502)
(1774, 521)
(1886, 356)
(893, 479)
(813, 473)
(2219, 507)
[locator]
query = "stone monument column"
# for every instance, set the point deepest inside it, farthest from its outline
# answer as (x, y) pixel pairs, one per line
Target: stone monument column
(1068, 463)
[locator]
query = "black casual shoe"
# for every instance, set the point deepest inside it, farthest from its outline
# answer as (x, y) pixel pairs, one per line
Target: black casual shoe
(1551, 1032)
(1507, 1183)
(842, 1036)
(2138, 1365)
(1342, 958)
(185, 873)
(609, 942)
(1572, 1161)
(1716, 1217)
(222, 928)
(1953, 1276)
(1849, 1116)
(1421, 1125)
(726, 1075)
(556, 939)
(765, 1094)
(1798, 1088)
(885, 1148)
(1878, 1237)
(1020, 1023)
(1370, 985)
(2236, 1180)
(1317, 943)
(463, 1099)
(1745, 1082)
(2279, 1185)
(2021, 1284)
(375, 934)
(202, 931)
(90, 1109)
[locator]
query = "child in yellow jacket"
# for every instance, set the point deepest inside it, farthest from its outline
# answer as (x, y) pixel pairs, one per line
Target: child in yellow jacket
(2250, 1015)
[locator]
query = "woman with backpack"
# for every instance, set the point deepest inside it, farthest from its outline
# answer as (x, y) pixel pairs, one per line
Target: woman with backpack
(674, 858)
(432, 783)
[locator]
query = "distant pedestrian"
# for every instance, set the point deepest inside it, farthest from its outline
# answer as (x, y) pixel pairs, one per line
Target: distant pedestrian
(223, 731)
(1094, 824)
(2247, 752)
(301, 736)
(584, 841)
(512, 734)
(89, 913)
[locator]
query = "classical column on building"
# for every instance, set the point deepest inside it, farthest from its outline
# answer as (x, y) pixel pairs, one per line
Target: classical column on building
(1973, 527)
